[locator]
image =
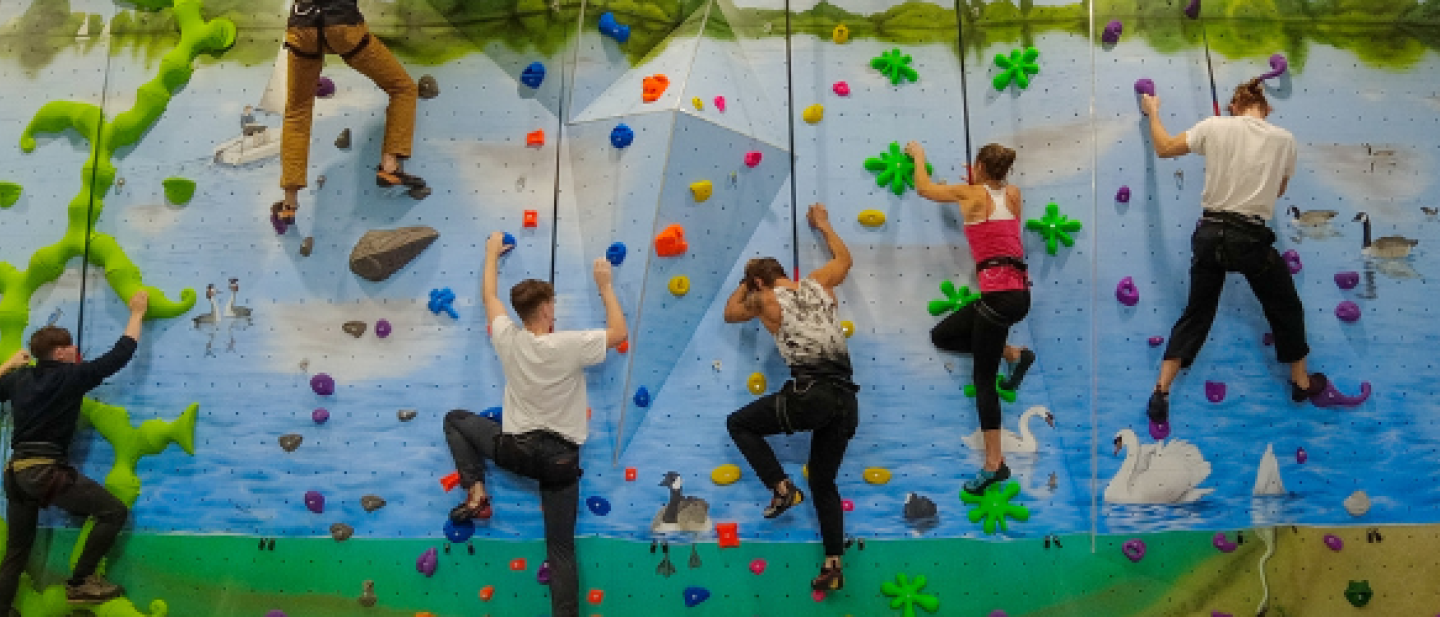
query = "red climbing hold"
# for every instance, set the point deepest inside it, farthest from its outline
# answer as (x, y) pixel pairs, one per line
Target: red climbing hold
(517, 564)
(630, 474)
(532, 218)
(653, 86)
(729, 534)
(535, 138)
(450, 481)
(671, 242)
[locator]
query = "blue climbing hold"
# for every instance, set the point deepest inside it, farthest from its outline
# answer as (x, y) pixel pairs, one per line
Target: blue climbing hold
(509, 241)
(441, 301)
(695, 595)
(459, 532)
(533, 75)
(613, 29)
(621, 136)
(615, 254)
(642, 397)
(598, 505)
(492, 413)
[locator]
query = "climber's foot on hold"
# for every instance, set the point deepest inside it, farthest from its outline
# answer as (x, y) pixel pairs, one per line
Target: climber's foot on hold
(831, 578)
(1318, 381)
(1017, 369)
(1159, 413)
(282, 216)
(93, 588)
(985, 478)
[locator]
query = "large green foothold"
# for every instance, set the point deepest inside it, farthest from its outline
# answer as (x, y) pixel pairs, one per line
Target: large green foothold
(906, 594)
(1054, 227)
(179, 191)
(1018, 67)
(9, 194)
(994, 506)
(954, 299)
(1005, 395)
(895, 168)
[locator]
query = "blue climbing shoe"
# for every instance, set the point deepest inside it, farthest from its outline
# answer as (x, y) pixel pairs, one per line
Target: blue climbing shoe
(983, 480)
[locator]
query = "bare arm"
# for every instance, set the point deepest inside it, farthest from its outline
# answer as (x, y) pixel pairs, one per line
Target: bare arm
(615, 329)
(20, 359)
(924, 185)
(139, 303)
(833, 272)
(739, 308)
(1166, 145)
(494, 248)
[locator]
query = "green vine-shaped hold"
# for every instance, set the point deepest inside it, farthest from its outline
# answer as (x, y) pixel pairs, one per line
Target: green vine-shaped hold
(9, 194)
(954, 299)
(906, 594)
(895, 168)
(1005, 395)
(1017, 67)
(994, 506)
(895, 65)
(179, 191)
(1054, 227)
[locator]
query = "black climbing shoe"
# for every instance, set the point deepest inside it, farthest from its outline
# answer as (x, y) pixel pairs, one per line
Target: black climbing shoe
(780, 503)
(830, 579)
(472, 509)
(1318, 381)
(1017, 371)
(1159, 408)
(983, 480)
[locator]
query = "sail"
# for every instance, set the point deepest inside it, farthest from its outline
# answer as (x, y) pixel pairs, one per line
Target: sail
(1267, 477)
(273, 101)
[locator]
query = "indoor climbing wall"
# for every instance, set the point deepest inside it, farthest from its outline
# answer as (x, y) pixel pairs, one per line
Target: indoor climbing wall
(283, 416)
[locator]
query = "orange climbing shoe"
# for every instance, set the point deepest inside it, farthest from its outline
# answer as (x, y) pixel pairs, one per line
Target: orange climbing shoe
(780, 503)
(397, 178)
(282, 216)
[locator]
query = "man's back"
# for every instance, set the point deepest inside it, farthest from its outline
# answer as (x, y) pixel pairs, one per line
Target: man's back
(1246, 159)
(544, 377)
(46, 398)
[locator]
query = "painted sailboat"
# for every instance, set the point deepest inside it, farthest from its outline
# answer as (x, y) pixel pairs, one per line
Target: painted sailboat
(1267, 477)
(258, 142)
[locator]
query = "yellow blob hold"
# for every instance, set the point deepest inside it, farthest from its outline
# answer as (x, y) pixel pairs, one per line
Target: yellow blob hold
(847, 327)
(841, 34)
(702, 190)
(699, 104)
(680, 285)
(877, 475)
(805, 471)
(813, 113)
(725, 474)
(756, 383)
(872, 218)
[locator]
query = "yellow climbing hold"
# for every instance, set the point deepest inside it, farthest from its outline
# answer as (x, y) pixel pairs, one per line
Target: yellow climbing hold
(680, 285)
(725, 474)
(872, 218)
(805, 471)
(699, 104)
(756, 383)
(841, 34)
(877, 475)
(813, 113)
(702, 190)
(848, 328)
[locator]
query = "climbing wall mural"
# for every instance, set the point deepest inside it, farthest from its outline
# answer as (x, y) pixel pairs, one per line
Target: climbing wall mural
(304, 375)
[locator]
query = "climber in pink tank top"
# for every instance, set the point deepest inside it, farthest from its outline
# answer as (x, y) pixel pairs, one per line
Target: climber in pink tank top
(991, 211)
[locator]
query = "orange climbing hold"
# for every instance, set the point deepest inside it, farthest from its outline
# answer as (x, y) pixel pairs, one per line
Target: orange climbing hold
(535, 138)
(487, 592)
(624, 346)
(631, 474)
(424, 614)
(517, 564)
(450, 481)
(671, 241)
(654, 86)
(597, 596)
(532, 218)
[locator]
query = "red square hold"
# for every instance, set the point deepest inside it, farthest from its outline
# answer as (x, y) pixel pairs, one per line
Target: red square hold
(532, 218)
(729, 534)
(630, 474)
(535, 138)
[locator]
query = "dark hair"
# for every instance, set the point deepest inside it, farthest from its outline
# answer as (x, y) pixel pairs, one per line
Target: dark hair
(1249, 94)
(767, 269)
(996, 159)
(527, 296)
(46, 340)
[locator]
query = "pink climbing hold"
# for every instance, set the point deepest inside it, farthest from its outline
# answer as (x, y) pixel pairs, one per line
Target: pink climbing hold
(758, 566)
(1127, 293)
(315, 502)
(847, 505)
(1347, 280)
(1292, 260)
(817, 595)
(1347, 311)
(1215, 391)
(841, 88)
(1156, 341)
(752, 158)
(720, 103)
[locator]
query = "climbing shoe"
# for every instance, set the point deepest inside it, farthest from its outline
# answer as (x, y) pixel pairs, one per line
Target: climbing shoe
(780, 503)
(282, 216)
(1159, 407)
(480, 509)
(1017, 370)
(397, 178)
(93, 588)
(983, 480)
(1318, 381)
(830, 579)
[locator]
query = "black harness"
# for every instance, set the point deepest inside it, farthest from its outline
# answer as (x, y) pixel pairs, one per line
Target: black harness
(319, 14)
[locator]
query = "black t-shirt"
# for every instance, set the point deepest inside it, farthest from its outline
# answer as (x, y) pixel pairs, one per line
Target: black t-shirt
(319, 13)
(46, 398)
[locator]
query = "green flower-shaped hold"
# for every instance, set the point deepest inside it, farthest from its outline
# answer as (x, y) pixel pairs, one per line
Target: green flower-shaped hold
(954, 300)
(1005, 395)
(994, 506)
(895, 65)
(1054, 227)
(906, 593)
(1017, 67)
(895, 168)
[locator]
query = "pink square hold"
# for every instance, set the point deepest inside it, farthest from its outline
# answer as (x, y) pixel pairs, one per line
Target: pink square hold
(752, 158)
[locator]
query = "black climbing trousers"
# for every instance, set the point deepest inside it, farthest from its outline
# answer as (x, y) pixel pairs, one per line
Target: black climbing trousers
(828, 410)
(31, 489)
(980, 329)
(473, 438)
(1227, 245)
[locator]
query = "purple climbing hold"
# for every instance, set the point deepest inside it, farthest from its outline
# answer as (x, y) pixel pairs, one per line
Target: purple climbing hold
(1301, 456)
(427, 561)
(1215, 391)
(1347, 311)
(1127, 293)
(314, 501)
(382, 328)
(1220, 614)
(998, 613)
(1334, 542)
(1159, 430)
(1347, 280)
(322, 384)
(325, 87)
(1123, 195)
(1192, 10)
(320, 416)
(542, 575)
(275, 613)
(1134, 548)
(1331, 397)
(1145, 86)
(1292, 260)
(1112, 32)
(1156, 341)
(1278, 66)
(1268, 339)
(1222, 543)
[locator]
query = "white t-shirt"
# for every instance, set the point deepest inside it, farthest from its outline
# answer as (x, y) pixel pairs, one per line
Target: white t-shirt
(1246, 158)
(545, 377)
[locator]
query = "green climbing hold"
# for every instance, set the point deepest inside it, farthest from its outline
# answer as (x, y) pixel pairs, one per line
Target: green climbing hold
(954, 300)
(994, 506)
(1005, 395)
(179, 191)
(895, 65)
(906, 594)
(895, 168)
(1017, 67)
(1054, 227)
(9, 194)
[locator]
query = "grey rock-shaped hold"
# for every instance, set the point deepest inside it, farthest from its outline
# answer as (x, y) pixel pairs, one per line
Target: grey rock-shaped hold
(372, 503)
(919, 507)
(367, 594)
(290, 441)
(429, 88)
(406, 415)
(1357, 504)
(341, 532)
(307, 245)
(354, 328)
(343, 141)
(381, 253)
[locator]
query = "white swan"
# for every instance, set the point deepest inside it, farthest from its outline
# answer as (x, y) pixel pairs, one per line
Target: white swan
(1267, 476)
(1009, 441)
(1157, 473)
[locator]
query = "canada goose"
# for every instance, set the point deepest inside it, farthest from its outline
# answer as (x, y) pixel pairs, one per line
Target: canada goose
(1388, 247)
(1310, 217)
(681, 513)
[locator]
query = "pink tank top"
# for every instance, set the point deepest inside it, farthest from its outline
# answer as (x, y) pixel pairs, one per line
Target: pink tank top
(997, 236)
